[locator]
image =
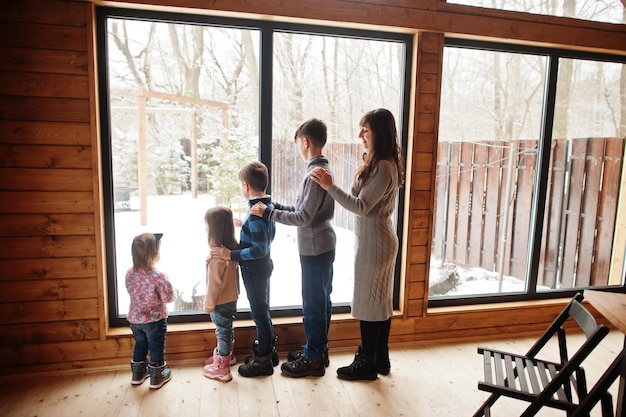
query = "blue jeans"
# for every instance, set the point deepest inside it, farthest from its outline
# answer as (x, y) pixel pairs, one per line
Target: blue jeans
(317, 284)
(149, 336)
(223, 317)
(256, 279)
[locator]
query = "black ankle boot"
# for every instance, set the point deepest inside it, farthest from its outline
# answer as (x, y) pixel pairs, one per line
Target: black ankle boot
(255, 352)
(363, 368)
(383, 366)
(257, 366)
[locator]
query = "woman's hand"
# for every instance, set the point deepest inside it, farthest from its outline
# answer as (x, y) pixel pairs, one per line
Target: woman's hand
(258, 209)
(322, 177)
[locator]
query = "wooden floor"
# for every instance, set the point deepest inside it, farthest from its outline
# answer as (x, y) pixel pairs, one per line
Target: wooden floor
(426, 380)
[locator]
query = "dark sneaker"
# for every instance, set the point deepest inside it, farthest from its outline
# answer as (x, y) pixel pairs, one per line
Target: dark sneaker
(297, 354)
(140, 372)
(303, 367)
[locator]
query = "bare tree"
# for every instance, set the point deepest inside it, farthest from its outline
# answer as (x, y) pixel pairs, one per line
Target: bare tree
(189, 59)
(292, 54)
(137, 64)
(330, 82)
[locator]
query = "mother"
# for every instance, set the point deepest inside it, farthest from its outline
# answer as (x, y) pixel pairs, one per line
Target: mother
(372, 199)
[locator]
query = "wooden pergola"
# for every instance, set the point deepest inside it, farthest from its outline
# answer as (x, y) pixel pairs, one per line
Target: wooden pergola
(142, 156)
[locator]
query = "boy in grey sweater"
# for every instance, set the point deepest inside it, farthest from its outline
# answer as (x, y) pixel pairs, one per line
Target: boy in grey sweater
(312, 213)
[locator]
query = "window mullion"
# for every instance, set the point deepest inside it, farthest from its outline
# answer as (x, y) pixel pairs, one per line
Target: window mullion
(543, 167)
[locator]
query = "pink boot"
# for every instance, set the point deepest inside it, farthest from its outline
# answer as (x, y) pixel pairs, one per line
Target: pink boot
(219, 369)
(232, 359)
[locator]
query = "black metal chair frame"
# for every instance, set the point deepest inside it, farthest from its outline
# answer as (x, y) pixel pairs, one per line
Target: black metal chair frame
(545, 383)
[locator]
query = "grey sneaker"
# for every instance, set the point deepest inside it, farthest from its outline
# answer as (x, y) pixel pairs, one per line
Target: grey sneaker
(140, 372)
(159, 375)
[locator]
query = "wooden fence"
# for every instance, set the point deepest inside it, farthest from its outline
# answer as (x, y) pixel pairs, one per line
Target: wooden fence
(473, 218)
(289, 168)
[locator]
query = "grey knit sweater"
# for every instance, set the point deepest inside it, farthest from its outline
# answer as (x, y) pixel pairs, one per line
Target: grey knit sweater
(312, 213)
(376, 241)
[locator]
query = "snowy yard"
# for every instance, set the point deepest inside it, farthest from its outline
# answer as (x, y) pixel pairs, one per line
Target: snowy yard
(472, 281)
(184, 249)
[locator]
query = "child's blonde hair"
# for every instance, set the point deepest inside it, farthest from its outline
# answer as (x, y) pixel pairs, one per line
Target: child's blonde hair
(220, 227)
(145, 249)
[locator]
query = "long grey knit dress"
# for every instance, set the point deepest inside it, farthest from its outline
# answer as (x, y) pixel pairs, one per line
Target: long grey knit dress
(375, 240)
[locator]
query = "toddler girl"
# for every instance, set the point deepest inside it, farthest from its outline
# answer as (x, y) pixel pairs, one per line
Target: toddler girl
(150, 291)
(222, 291)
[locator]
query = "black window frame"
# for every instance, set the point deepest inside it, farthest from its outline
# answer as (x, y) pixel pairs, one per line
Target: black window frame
(266, 29)
(553, 55)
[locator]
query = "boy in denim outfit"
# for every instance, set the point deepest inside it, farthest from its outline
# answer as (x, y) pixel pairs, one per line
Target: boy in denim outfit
(312, 213)
(256, 267)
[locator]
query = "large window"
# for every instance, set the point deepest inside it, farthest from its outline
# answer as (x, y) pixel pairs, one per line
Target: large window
(186, 101)
(530, 179)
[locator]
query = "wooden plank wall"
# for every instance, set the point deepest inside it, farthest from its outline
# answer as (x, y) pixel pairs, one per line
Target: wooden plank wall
(49, 285)
(52, 285)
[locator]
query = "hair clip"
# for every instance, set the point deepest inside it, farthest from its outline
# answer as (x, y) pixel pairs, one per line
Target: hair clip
(158, 236)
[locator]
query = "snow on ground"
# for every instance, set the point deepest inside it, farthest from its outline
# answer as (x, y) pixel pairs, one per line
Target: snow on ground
(184, 249)
(474, 280)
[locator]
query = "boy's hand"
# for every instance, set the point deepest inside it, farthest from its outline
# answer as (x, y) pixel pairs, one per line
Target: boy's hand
(322, 177)
(237, 222)
(220, 253)
(258, 209)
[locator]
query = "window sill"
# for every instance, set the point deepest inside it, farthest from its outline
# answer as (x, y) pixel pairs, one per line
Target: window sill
(114, 332)
(477, 308)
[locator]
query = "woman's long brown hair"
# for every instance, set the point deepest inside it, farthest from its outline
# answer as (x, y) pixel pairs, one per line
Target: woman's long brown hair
(384, 145)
